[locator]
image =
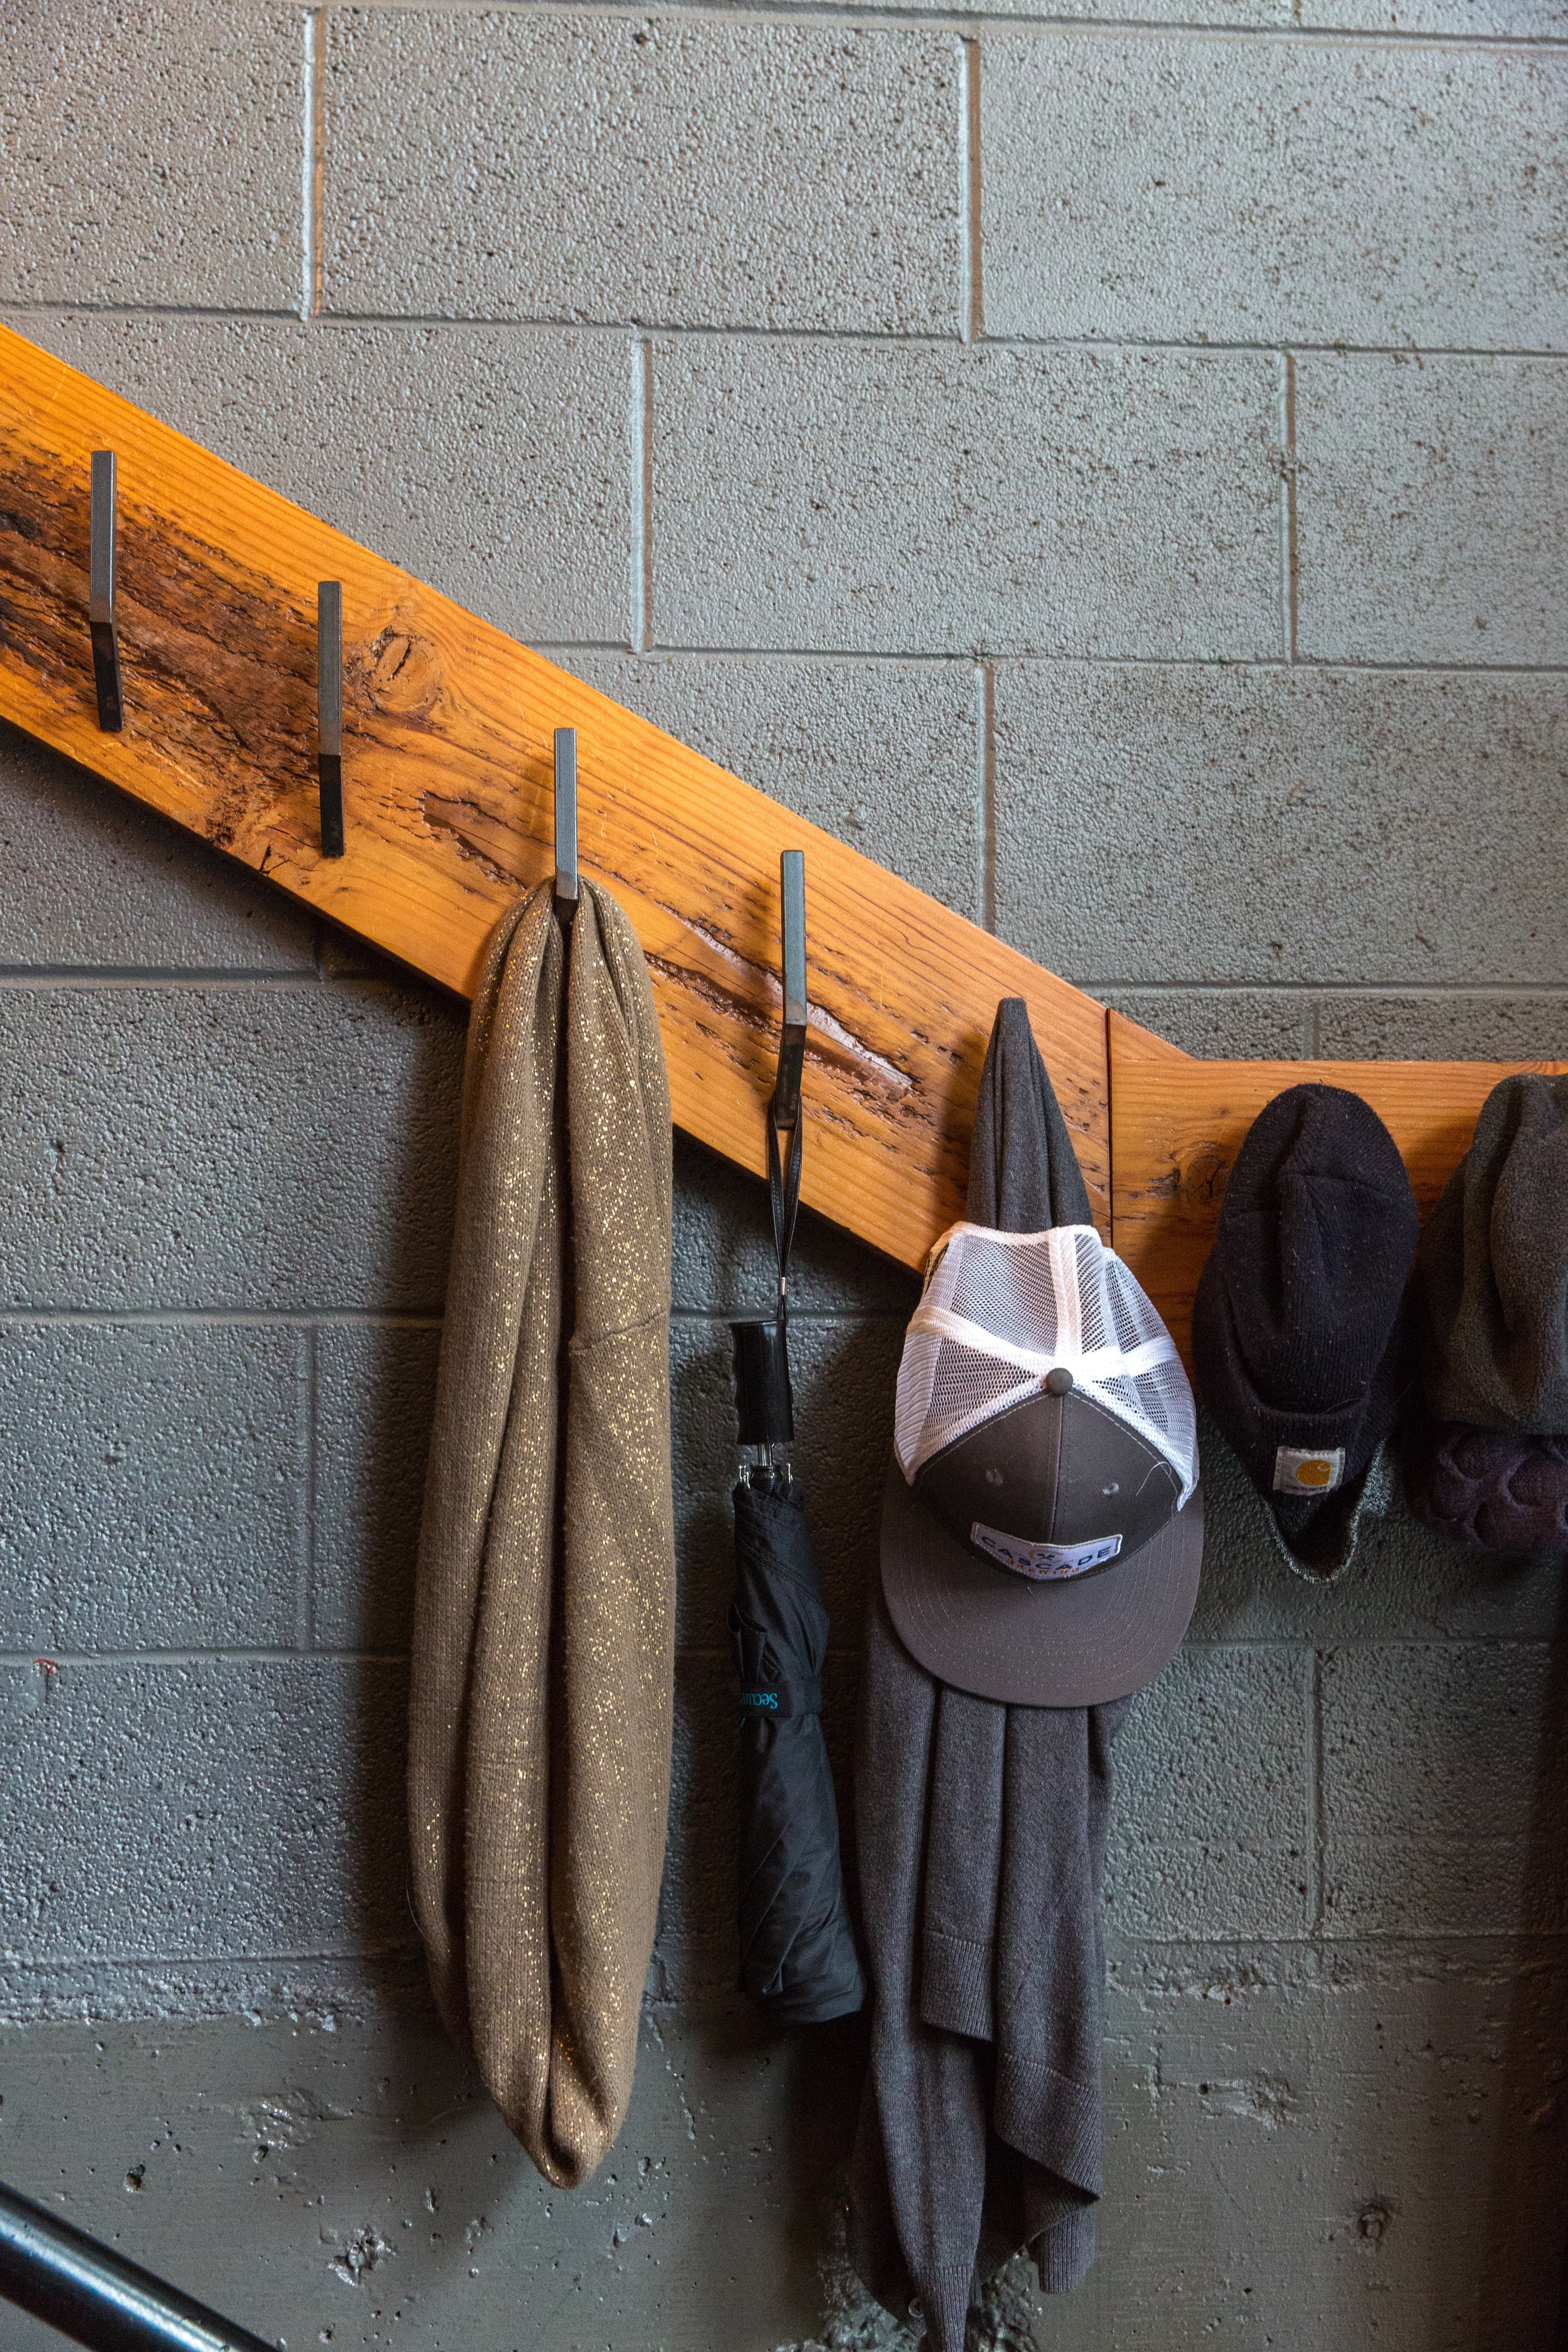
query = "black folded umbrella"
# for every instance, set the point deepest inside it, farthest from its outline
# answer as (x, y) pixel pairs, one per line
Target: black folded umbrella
(798, 1962)
(798, 1954)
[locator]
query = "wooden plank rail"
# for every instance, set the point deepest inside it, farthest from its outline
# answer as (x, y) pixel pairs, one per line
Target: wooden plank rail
(1176, 1125)
(447, 727)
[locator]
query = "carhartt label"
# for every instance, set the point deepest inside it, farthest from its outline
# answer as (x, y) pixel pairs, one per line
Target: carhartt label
(1043, 1560)
(1297, 1472)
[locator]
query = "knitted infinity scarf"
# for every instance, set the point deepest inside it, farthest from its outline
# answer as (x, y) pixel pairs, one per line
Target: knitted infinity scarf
(543, 1652)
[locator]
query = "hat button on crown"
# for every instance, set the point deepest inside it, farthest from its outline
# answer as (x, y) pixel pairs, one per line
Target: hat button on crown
(1058, 1381)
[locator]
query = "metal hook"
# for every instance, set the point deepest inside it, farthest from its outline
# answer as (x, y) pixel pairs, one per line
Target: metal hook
(792, 1042)
(100, 618)
(566, 816)
(330, 713)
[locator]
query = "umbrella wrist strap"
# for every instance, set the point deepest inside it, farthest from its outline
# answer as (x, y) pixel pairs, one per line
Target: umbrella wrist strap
(779, 1699)
(783, 1189)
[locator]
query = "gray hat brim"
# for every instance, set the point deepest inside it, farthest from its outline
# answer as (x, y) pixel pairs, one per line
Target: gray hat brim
(1080, 1641)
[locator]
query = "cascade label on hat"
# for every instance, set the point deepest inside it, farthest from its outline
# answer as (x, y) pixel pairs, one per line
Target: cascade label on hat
(1041, 1560)
(1042, 1528)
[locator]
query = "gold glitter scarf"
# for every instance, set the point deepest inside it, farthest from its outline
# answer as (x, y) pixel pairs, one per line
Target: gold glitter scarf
(544, 1649)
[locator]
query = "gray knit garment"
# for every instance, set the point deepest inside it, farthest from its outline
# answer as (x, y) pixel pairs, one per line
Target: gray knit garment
(1493, 1267)
(982, 1837)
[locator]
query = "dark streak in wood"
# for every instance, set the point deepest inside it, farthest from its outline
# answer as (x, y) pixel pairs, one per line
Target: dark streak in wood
(448, 774)
(216, 665)
(461, 822)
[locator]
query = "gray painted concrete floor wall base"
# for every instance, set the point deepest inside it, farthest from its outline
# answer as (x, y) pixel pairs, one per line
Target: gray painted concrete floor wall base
(1308, 2158)
(354, 2185)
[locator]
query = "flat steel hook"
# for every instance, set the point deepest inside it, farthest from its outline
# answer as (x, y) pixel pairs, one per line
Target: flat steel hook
(792, 1041)
(100, 618)
(330, 713)
(566, 816)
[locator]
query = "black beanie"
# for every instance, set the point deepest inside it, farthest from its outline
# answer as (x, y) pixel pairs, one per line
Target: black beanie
(1298, 1326)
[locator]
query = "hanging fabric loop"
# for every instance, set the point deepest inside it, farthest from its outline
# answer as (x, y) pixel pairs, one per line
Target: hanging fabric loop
(544, 1651)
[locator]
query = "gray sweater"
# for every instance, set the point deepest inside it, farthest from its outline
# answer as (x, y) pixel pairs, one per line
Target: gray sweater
(982, 1837)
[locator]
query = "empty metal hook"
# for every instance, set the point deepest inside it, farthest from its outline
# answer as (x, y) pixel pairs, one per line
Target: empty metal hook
(330, 713)
(100, 618)
(566, 816)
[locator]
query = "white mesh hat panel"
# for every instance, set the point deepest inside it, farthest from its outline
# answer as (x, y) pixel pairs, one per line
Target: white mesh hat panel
(1001, 1311)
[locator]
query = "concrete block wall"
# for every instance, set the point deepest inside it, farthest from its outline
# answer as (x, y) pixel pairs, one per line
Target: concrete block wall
(1111, 470)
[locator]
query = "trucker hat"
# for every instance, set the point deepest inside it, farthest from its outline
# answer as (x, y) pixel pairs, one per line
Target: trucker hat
(1042, 1522)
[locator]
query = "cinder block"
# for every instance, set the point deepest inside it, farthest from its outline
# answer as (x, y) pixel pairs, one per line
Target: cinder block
(158, 897)
(247, 1147)
(153, 1486)
(1444, 1769)
(869, 499)
(375, 1396)
(1445, 1026)
(211, 1807)
(1211, 1836)
(1223, 1025)
(1242, 13)
(1508, 20)
(885, 754)
(1270, 192)
(725, 1261)
(698, 1900)
(843, 1376)
(845, 1383)
(1239, 827)
(371, 427)
(152, 156)
(703, 1414)
(1432, 506)
(1405, 1583)
(683, 172)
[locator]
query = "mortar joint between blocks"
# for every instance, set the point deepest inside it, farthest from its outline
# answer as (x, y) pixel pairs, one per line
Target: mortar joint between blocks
(307, 1600)
(1289, 529)
(1320, 1861)
(313, 163)
(640, 629)
(972, 307)
(985, 684)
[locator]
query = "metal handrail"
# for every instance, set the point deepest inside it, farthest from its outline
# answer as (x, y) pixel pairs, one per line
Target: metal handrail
(95, 2296)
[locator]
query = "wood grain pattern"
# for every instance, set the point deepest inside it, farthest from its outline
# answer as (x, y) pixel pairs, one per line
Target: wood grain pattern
(447, 727)
(1176, 1125)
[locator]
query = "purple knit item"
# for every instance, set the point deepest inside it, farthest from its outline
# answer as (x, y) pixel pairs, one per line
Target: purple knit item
(1490, 1488)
